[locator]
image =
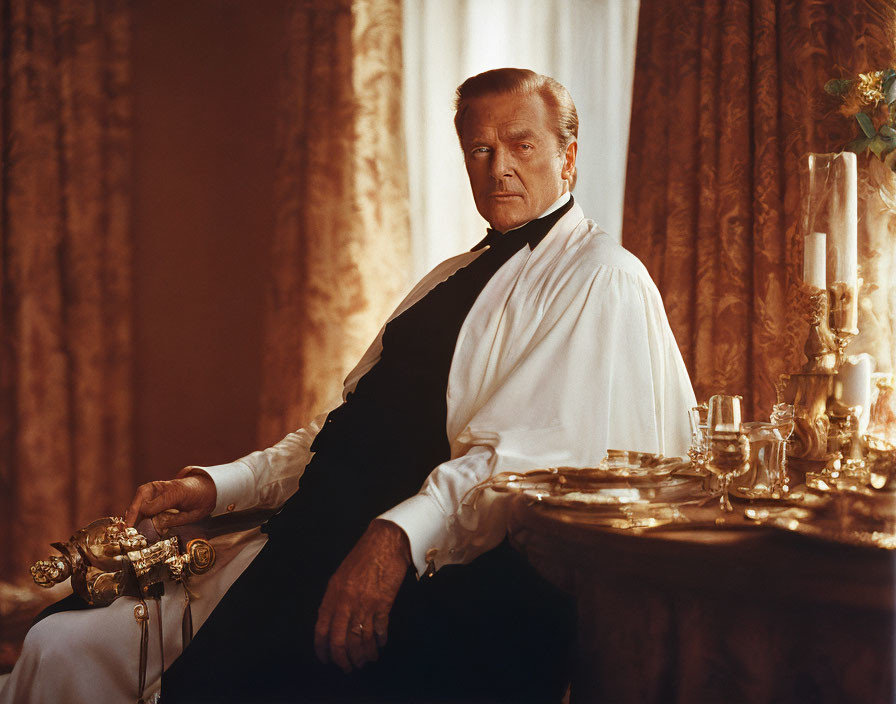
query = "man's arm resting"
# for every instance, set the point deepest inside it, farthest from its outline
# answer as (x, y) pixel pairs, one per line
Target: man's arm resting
(353, 619)
(263, 479)
(354, 615)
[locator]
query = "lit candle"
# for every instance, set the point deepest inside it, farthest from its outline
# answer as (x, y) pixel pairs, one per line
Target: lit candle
(815, 260)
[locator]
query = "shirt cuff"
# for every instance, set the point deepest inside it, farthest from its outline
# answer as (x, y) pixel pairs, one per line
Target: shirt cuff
(234, 483)
(424, 523)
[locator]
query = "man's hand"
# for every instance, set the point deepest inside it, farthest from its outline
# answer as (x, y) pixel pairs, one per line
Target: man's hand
(354, 616)
(192, 495)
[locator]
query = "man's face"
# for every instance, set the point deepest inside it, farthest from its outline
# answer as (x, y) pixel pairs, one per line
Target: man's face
(513, 158)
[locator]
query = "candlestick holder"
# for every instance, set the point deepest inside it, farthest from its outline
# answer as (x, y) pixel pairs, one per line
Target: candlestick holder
(843, 311)
(811, 390)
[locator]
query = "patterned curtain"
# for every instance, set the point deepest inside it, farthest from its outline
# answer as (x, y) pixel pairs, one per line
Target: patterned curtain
(728, 95)
(341, 247)
(65, 272)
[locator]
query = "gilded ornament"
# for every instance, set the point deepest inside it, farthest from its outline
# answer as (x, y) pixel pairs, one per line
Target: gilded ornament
(108, 559)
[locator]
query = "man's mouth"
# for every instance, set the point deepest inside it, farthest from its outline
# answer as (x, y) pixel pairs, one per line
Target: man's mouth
(504, 195)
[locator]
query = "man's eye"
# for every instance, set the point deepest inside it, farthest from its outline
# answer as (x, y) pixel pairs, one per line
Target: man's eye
(526, 147)
(480, 150)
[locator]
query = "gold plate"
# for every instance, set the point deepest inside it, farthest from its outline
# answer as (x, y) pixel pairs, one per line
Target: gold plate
(626, 490)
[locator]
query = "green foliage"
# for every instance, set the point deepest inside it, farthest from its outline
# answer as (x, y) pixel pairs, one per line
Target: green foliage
(866, 94)
(889, 86)
(880, 146)
(866, 125)
(857, 146)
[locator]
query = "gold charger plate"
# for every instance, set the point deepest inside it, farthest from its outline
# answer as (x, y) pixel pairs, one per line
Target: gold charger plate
(626, 490)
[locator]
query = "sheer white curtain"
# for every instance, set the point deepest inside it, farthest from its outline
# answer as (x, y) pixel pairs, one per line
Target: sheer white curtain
(587, 45)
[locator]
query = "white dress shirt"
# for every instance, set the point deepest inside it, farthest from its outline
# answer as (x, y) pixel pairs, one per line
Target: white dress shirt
(565, 353)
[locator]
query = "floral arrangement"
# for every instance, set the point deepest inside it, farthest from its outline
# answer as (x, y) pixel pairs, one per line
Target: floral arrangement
(871, 99)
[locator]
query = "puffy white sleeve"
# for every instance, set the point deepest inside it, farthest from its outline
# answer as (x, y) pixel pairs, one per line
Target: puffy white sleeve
(264, 479)
(267, 478)
(596, 368)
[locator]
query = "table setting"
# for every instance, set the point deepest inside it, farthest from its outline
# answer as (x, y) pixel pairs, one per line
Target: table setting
(736, 477)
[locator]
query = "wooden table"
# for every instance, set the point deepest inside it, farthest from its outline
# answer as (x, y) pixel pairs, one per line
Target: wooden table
(735, 613)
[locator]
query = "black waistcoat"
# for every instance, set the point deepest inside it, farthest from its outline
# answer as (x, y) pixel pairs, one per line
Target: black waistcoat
(377, 448)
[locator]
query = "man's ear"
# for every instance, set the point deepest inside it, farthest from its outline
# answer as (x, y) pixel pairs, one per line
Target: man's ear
(569, 160)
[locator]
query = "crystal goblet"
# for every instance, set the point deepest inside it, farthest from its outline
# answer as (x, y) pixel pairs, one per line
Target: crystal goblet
(724, 413)
(729, 457)
(699, 434)
(729, 448)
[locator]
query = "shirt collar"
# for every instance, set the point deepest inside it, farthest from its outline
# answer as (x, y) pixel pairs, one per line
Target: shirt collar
(532, 232)
(556, 205)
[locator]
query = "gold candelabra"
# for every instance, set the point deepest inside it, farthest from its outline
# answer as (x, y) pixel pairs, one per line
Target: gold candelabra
(824, 428)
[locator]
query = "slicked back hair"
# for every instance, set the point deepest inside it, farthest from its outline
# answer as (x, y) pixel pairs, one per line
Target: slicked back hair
(522, 81)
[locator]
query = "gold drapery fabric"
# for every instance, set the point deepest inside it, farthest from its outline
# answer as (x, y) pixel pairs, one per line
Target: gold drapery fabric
(341, 246)
(728, 96)
(65, 281)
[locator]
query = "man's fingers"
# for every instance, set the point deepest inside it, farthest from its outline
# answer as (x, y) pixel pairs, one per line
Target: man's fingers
(338, 633)
(322, 632)
(381, 628)
(166, 497)
(144, 493)
(359, 641)
(371, 651)
(151, 499)
(171, 518)
(193, 496)
(365, 585)
(354, 646)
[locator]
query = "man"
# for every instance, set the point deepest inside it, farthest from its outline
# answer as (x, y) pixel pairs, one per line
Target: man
(543, 346)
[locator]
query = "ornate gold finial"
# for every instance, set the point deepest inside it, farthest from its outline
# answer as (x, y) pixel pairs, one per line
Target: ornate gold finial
(202, 556)
(107, 559)
(822, 347)
(48, 573)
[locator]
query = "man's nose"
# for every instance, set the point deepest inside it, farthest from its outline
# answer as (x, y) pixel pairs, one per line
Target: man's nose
(502, 164)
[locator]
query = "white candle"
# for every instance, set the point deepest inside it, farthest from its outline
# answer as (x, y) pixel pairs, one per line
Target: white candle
(855, 375)
(851, 223)
(815, 260)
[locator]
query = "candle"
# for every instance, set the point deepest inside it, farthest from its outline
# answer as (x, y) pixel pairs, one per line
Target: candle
(855, 375)
(815, 260)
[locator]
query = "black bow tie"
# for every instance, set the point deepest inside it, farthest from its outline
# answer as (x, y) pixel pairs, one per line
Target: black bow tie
(531, 233)
(491, 239)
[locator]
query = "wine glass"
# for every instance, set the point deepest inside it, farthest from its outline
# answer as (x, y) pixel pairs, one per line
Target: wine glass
(729, 448)
(724, 414)
(699, 434)
(783, 416)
